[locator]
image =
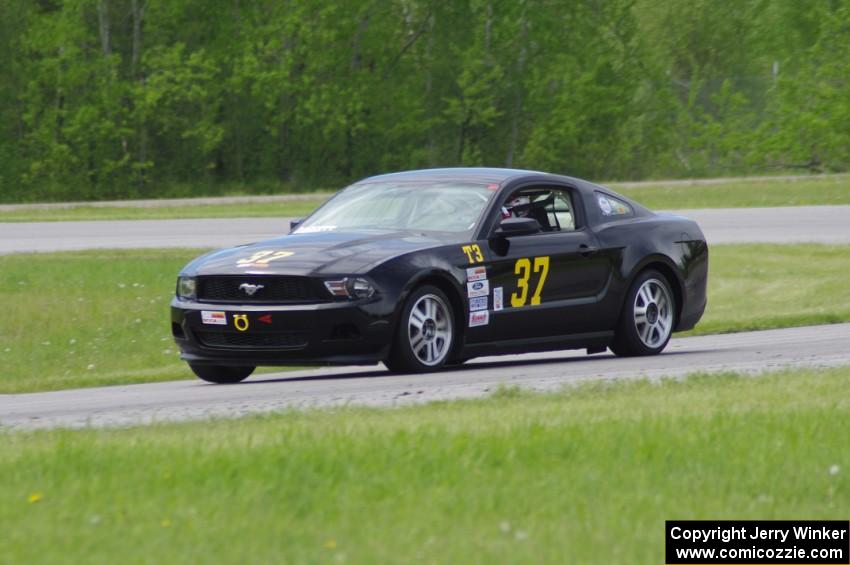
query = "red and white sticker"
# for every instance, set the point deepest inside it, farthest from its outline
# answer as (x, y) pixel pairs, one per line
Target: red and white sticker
(214, 318)
(476, 274)
(478, 288)
(481, 318)
(498, 299)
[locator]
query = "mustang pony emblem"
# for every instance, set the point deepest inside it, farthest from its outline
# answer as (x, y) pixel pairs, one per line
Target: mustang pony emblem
(250, 289)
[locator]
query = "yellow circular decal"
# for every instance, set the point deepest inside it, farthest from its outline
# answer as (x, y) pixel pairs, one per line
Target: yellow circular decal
(240, 322)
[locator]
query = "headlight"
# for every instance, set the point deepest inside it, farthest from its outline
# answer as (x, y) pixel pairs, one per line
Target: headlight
(186, 287)
(361, 288)
(356, 287)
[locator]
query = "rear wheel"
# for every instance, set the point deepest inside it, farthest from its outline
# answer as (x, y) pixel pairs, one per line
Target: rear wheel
(646, 322)
(221, 375)
(425, 333)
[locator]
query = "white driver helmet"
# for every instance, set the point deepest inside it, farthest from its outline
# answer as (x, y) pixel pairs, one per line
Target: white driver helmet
(508, 209)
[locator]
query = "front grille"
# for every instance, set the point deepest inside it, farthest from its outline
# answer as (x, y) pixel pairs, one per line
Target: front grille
(276, 340)
(271, 289)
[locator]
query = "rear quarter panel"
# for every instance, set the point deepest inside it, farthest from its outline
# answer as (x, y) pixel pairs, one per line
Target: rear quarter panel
(672, 244)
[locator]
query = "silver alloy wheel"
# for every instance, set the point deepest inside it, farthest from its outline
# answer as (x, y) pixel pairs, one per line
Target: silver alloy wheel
(653, 313)
(429, 329)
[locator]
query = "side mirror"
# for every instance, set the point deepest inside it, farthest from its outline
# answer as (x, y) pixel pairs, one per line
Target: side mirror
(517, 226)
(294, 224)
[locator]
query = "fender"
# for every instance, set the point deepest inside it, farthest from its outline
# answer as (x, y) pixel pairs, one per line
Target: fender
(420, 276)
(654, 258)
(678, 283)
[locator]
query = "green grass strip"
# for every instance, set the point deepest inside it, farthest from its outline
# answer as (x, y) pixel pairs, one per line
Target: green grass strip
(827, 191)
(88, 318)
(293, 209)
(101, 317)
(584, 476)
(757, 287)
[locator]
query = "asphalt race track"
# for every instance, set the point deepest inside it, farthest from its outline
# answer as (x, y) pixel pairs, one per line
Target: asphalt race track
(801, 224)
(753, 352)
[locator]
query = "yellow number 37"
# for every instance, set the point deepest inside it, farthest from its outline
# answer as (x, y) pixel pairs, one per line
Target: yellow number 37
(523, 268)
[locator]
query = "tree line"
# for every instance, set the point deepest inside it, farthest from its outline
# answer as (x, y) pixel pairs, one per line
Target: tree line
(142, 98)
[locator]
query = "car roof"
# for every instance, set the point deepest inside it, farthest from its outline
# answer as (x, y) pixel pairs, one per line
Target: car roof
(473, 174)
(493, 175)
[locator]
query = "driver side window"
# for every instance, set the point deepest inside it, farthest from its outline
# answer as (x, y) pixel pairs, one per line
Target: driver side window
(551, 207)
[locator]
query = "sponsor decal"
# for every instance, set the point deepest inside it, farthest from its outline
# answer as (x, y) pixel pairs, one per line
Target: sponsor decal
(479, 303)
(214, 318)
(266, 319)
(476, 274)
(605, 205)
(315, 229)
(498, 299)
(263, 258)
(240, 322)
(481, 318)
(478, 288)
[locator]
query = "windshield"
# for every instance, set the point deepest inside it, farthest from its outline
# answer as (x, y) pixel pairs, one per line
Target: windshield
(447, 207)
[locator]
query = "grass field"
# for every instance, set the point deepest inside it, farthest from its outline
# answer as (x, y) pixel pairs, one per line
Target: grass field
(824, 191)
(292, 209)
(101, 317)
(584, 476)
(88, 318)
(757, 287)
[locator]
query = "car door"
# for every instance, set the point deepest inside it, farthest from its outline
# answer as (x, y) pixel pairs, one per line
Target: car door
(545, 284)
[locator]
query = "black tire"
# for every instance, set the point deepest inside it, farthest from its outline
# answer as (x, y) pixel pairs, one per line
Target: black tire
(427, 348)
(647, 318)
(221, 375)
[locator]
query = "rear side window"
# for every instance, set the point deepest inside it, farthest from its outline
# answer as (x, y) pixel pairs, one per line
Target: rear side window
(612, 207)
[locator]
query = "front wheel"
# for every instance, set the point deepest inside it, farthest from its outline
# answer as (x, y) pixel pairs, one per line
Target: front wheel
(425, 333)
(221, 375)
(646, 322)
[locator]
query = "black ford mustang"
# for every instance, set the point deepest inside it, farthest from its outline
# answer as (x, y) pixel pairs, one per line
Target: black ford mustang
(424, 269)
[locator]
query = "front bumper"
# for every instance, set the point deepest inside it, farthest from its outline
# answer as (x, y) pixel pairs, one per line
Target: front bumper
(358, 332)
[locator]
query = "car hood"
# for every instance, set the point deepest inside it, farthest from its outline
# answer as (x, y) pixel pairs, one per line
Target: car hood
(343, 252)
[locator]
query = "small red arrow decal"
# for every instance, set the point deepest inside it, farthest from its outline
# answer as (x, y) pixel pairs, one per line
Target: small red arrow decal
(266, 319)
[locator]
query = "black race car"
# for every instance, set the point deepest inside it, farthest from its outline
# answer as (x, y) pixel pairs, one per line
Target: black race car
(424, 269)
